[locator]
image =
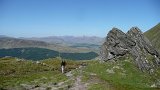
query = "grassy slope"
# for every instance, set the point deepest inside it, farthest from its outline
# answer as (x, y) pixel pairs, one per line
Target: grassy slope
(119, 75)
(122, 75)
(154, 35)
(14, 72)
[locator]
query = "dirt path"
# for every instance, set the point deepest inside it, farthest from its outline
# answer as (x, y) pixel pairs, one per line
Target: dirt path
(78, 85)
(93, 79)
(74, 82)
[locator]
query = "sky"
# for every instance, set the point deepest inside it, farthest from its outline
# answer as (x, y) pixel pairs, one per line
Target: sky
(41, 18)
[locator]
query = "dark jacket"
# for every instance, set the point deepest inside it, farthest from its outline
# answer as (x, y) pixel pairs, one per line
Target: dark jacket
(63, 63)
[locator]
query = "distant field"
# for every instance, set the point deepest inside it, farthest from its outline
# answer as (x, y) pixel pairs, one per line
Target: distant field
(84, 45)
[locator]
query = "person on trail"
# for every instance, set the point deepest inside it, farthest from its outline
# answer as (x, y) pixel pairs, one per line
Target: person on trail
(63, 64)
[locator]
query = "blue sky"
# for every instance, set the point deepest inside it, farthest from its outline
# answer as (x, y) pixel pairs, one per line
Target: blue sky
(39, 18)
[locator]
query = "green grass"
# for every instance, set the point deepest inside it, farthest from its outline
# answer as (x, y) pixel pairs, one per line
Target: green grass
(32, 78)
(14, 71)
(153, 35)
(98, 87)
(56, 64)
(126, 75)
(119, 75)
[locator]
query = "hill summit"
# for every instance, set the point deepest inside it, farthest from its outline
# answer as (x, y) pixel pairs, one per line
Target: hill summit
(134, 43)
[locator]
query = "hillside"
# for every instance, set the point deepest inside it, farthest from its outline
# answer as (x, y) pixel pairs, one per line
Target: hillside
(153, 35)
(19, 74)
(9, 42)
(40, 53)
(118, 74)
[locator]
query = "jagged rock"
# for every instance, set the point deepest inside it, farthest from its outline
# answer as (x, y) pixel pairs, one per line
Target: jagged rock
(118, 43)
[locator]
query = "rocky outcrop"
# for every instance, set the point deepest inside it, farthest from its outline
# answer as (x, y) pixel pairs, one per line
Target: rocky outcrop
(133, 42)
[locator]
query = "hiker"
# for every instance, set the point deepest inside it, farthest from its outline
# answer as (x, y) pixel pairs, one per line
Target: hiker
(63, 64)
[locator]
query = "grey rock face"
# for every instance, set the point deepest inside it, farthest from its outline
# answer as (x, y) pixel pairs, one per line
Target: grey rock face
(133, 42)
(117, 43)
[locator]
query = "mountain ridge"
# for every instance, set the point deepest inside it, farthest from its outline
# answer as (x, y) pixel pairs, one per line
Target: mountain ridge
(153, 35)
(69, 39)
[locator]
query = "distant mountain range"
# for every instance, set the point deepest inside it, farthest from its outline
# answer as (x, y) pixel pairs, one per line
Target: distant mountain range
(9, 42)
(154, 36)
(88, 42)
(70, 40)
(57, 43)
(41, 49)
(70, 43)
